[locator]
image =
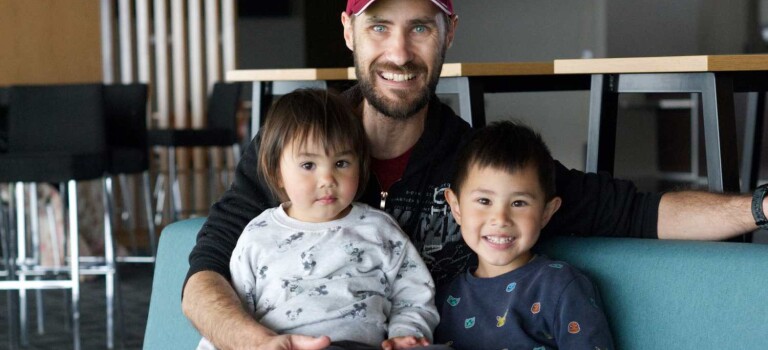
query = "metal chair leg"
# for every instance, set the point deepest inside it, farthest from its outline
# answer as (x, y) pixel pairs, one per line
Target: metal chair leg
(160, 199)
(74, 261)
(21, 260)
(148, 207)
(173, 184)
(34, 224)
(126, 214)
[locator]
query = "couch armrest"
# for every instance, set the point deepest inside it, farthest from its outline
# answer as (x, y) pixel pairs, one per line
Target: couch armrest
(167, 327)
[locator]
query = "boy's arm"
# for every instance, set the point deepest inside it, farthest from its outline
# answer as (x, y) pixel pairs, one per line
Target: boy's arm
(413, 311)
(580, 322)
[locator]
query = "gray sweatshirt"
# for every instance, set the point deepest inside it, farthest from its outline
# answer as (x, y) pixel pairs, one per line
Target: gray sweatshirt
(357, 278)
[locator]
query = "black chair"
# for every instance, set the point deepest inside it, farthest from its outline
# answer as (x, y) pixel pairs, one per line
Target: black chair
(57, 134)
(220, 131)
(125, 108)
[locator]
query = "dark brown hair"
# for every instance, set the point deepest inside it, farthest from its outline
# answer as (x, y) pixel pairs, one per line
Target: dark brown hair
(508, 146)
(310, 113)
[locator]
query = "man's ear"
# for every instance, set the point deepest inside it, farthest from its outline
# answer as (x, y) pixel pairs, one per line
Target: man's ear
(453, 22)
(550, 209)
(347, 22)
(453, 202)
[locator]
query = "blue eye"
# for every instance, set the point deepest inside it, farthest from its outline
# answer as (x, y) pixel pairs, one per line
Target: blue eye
(420, 29)
(378, 28)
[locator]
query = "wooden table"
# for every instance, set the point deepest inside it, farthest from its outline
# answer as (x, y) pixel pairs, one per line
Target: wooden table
(268, 83)
(469, 80)
(715, 78)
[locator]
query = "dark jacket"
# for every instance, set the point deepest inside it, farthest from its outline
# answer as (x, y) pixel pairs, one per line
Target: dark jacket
(593, 204)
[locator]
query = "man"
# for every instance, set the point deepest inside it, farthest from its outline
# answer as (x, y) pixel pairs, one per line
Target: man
(399, 48)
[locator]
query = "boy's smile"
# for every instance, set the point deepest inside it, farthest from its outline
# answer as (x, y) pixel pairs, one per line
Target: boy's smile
(501, 215)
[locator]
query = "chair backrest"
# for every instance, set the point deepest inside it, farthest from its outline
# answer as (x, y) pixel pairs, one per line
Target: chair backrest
(4, 119)
(223, 106)
(125, 110)
(167, 327)
(56, 118)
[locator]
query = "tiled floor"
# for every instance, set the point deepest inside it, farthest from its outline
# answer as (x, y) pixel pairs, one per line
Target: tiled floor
(136, 287)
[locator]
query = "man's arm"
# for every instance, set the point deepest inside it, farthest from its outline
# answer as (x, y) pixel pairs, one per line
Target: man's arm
(212, 306)
(705, 215)
(209, 301)
(600, 205)
(227, 325)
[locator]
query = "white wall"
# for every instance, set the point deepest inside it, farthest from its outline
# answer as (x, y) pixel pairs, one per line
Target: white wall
(534, 30)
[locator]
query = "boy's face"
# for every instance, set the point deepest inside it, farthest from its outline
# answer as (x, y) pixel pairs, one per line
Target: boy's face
(501, 215)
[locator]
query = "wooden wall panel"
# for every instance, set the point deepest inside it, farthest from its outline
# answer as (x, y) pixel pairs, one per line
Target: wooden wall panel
(49, 41)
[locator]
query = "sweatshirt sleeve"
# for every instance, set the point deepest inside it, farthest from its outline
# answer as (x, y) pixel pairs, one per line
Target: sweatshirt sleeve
(580, 322)
(413, 298)
(600, 205)
(246, 198)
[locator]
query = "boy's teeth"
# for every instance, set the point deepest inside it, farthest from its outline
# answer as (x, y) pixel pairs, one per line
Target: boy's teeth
(499, 239)
(397, 77)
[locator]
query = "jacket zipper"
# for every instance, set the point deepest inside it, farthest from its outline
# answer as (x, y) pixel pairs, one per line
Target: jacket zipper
(385, 194)
(383, 202)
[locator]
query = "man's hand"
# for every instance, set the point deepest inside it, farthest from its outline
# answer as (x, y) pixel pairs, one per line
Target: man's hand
(403, 342)
(295, 342)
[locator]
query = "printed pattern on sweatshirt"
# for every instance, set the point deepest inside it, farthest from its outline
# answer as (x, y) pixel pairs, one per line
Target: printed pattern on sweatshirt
(357, 278)
(545, 304)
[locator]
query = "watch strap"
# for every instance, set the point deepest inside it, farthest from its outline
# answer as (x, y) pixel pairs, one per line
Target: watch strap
(757, 206)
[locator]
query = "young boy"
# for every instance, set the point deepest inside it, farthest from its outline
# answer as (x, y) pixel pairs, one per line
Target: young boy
(503, 194)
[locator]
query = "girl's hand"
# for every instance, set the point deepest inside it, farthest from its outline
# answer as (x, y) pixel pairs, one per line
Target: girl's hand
(403, 342)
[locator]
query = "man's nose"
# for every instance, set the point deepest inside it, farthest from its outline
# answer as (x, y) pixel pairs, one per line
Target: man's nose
(399, 51)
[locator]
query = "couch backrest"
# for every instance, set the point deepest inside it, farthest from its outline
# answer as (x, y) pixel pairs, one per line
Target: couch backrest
(676, 294)
(657, 294)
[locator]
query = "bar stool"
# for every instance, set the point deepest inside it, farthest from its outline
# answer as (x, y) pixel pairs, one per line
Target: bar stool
(56, 134)
(221, 131)
(125, 109)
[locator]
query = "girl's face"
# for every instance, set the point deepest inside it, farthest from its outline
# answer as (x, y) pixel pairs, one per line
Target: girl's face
(320, 186)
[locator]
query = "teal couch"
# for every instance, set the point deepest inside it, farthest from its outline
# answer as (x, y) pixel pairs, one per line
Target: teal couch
(658, 294)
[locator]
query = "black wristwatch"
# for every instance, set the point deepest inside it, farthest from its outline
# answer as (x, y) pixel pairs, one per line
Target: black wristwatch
(757, 206)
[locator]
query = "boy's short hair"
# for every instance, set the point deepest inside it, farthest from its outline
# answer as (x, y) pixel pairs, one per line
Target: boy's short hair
(510, 146)
(310, 113)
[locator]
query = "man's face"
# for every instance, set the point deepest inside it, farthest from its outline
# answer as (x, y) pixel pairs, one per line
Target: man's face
(399, 47)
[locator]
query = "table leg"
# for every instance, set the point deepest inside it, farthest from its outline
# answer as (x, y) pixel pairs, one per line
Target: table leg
(603, 111)
(720, 133)
(753, 140)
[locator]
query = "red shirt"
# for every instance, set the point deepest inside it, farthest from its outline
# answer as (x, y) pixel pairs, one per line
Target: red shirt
(388, 171)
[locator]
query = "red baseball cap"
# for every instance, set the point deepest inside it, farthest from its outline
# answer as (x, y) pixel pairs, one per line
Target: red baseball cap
(356, 7)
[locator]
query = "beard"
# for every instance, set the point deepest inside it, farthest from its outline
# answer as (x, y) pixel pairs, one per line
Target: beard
(407, 103)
